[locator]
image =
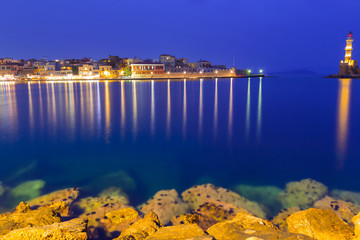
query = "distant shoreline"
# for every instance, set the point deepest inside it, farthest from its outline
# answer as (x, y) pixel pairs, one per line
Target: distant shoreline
(343, 76)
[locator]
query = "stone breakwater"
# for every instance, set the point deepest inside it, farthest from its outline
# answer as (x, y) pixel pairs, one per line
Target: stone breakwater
(305, 210)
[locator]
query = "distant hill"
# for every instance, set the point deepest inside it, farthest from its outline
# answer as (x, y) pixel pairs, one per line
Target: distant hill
(299, 72)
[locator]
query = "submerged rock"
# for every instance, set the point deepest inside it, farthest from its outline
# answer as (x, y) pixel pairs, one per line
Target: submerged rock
(2, 189)
(165, 204)
(344, 210)
(266, 195)
(24, 216)
(113, 192)
(60, 201)
(142, 229)
(208, 214)
(117, 221)
(71, 230)
(319, 224)
(280, 219)
(245, 226)
(348, 196)
(199, 195)
(178, 232)
(119, 179)
(94, 210)
(302, 194)
(28, 190)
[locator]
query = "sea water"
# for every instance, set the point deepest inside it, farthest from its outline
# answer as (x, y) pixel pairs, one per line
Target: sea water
(145, 136)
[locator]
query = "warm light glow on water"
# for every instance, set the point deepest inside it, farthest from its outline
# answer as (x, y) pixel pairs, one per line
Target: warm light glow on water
(230, 124)
(343, 120)
(152, 123)
(215, 109)
(123, 110)
(201, 109)
(135, 111)
(259, 113)
(168, 118)
(247, 127)
(184, 111)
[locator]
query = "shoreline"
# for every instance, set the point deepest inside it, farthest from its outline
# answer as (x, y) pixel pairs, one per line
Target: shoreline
(197, 77)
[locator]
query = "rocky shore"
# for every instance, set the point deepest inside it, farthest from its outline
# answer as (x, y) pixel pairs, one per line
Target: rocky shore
(303, 210)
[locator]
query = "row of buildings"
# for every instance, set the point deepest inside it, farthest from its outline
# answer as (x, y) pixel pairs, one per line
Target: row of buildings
(112, 67)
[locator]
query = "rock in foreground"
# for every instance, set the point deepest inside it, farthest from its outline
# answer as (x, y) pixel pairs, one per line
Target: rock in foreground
(319, 224)
(71, 230)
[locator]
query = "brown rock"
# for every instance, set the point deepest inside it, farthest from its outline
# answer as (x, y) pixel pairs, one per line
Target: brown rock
(356, 221)
(165, 204)
(344, 210)
(280, 219)
(208, 214)
(319, 224)
(302, 194)
(142, 229)
(71, 230)
(24, 217)
(245, 226)
(59, 201)
(94, 210)
(178, 232)
(199, 195)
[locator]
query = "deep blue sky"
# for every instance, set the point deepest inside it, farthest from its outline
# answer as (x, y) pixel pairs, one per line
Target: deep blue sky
(274, 35)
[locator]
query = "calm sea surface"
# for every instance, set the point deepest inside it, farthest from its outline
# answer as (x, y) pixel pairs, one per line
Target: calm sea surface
(150, 135)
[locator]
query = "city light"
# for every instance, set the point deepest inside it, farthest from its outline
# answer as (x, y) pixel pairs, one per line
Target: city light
(261, 71)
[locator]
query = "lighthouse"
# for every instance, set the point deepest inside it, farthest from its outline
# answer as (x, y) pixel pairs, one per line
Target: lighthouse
(349, 49)
(349, 67)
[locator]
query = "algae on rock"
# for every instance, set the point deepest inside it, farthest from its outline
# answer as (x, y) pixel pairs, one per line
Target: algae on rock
(302, 194)
(199, 195)
(28, 190)
(165, 204)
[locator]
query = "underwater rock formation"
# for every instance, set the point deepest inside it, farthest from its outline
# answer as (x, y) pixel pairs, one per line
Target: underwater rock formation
(208, 214)
(165, 204)
(266, 195)
(319, 224)
(28, 190)
(201, 194)
(344, 210)
(348, 196)
(24, 216)
(142, 229)
(302, 194)
(2, 189)
(119, 179)
(60, 201)
(74, 229)
(94, 210)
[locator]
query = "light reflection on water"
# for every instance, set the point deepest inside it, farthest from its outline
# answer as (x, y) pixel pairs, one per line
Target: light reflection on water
(191, 122)
(343, 120)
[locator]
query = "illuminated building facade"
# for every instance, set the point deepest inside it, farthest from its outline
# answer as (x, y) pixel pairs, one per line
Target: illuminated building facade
(349, 66)
(140, 70)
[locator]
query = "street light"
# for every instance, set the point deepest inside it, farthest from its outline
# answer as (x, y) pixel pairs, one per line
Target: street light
(261, 71)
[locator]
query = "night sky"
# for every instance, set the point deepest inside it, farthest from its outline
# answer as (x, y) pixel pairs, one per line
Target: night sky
(274, 35)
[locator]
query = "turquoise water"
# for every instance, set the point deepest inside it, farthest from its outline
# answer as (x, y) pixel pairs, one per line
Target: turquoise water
(145, 136)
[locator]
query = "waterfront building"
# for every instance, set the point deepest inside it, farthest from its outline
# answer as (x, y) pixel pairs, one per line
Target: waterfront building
(86, 70)
(146, 70)
(10, 69)
(349, 66)
(167, 60)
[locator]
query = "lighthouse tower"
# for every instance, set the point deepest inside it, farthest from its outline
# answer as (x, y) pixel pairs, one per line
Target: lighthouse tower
(349, 49)
(349, 67)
